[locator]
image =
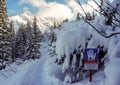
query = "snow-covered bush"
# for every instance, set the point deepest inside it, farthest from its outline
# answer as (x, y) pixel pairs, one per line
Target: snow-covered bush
(52, 39)
(70, 50)
(112, 72)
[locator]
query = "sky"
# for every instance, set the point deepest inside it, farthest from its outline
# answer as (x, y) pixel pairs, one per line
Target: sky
(18, 6)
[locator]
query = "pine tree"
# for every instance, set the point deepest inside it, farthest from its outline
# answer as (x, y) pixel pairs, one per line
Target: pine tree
(5, 39)
(20, 42)
(12, 31)
(3, 13)
(28, 33)
(35, 41)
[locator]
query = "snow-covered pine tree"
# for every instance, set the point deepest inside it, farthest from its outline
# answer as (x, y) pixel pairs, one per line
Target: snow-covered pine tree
(37, 37)
(20, 42)
(5, 38)
(52, 38)
(33, 41)
(12, 34)
(28, 34)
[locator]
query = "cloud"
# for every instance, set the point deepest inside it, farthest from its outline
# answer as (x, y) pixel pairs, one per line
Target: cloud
(57, 11)
(25, 9)
(37, 3)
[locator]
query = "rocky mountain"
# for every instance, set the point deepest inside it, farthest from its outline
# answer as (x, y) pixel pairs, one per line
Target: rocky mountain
(43, 23)
(53, 16)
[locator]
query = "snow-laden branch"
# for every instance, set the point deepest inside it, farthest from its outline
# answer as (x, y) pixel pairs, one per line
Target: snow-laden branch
(113, 8)
(104, 35)
(115, 18)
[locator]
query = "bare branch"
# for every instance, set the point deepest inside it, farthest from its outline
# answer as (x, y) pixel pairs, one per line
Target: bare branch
(87, 15)
(106, 36)
(115, 24)
(114, 11)
(102, 13)
(116, 18)
(100, 7)
(82, 8)
(113, 7)
(94, 8)
(105, 14)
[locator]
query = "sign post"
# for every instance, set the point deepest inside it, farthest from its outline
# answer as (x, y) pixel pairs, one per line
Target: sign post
(90, 76)
(91, 60)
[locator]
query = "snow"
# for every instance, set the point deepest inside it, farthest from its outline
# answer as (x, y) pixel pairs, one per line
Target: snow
(112, 72)
(14, 73)
(66, 44)
(39, 72)
(35, 73)
(53, 72)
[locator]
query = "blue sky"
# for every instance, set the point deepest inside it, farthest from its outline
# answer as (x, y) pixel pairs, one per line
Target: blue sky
(14, 7)
(17, 6)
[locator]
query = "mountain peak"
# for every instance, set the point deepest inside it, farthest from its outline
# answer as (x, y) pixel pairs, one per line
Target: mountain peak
(26, 12)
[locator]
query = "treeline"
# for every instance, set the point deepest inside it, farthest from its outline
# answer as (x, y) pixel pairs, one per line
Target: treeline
(27, 41)
(24, 44)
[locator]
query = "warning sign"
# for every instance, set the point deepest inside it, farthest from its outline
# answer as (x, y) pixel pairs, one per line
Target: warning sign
(91, 59)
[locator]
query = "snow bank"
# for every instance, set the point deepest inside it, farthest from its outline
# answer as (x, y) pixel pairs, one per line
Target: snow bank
(53, 72)
(112, 72)
(66, 44)
(15, 72)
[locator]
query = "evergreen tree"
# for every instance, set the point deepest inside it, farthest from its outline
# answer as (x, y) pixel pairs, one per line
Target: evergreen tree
(28, 33)
(12, 31)
(36, 38)
(28, 41)
(20, 42)
(5, 38)
(3, 13)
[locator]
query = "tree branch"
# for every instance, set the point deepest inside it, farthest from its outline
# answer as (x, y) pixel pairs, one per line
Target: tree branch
(82, 8)
(106, 36)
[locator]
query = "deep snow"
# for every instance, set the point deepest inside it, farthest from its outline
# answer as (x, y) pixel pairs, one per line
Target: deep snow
(43, 72)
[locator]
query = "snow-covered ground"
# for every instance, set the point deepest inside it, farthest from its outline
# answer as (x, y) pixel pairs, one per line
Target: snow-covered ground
(41, 72)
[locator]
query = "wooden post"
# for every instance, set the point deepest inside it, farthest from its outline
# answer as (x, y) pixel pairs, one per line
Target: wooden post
(90, 79)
